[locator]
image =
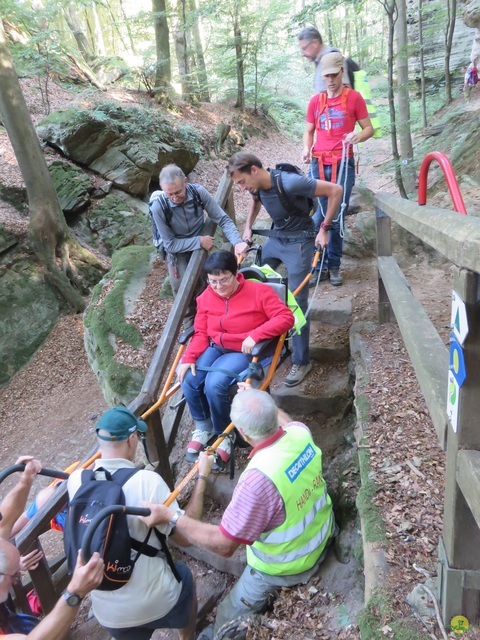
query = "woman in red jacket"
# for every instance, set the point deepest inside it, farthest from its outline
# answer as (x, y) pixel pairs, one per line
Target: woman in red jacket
(233, 314)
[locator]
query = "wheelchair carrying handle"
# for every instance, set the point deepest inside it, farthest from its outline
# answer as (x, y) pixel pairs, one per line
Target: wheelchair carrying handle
(101, 515)
(51, 473)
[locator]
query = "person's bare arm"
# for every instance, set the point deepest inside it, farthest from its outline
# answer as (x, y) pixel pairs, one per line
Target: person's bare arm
(308, 141)
(14, 502)
(201, 534)
(253, 211)
(366, 132)
(57, 623)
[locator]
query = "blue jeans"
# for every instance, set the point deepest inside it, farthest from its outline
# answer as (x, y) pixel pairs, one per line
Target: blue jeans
(297, 258)
(207, 393)
(335, 244)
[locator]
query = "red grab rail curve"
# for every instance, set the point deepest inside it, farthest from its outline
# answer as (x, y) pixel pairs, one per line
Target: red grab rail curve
(450, 177)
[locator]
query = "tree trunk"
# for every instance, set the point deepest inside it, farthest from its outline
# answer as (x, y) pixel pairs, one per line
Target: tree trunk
(127, 25)
(100, 44)
(422, 64)
(449, 31)
(237, 33)
(202, 77)
(404, 132)
(163, 74)
(48, 232)
(80, 38)
(181, 49)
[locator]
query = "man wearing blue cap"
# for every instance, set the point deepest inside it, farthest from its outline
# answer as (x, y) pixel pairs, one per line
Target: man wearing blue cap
(152, 598)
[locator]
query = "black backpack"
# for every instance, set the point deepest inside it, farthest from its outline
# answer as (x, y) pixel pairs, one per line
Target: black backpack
(161, 198)
(112, 538)
(298, 205)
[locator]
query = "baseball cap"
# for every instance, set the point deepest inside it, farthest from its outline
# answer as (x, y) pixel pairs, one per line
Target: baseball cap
(331, 63)
(120, 423)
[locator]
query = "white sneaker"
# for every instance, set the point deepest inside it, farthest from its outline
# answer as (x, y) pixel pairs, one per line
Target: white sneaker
(297, 374)
(223, 452)
(198, 442)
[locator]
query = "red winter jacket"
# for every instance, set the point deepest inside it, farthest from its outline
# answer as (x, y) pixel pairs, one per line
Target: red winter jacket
(254, 310)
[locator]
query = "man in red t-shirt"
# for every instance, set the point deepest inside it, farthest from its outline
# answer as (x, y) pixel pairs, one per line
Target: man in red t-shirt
(331, 119)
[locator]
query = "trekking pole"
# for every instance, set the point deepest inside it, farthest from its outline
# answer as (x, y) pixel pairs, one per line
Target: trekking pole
(316, 257)
(50, 473)
(101, 515)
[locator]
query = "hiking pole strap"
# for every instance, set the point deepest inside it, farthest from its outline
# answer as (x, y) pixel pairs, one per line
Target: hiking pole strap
(50, 473)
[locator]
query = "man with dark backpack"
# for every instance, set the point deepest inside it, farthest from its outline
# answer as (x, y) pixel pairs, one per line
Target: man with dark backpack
(145, 591)
(178, 218)
(287, 196)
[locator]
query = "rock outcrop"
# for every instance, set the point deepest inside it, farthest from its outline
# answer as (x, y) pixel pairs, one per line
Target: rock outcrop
(126, 146)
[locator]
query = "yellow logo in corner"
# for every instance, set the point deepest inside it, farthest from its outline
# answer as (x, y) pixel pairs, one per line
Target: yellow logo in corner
(459, 625)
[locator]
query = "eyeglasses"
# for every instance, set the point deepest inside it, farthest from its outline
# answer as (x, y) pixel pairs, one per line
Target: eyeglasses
(16, 576)
(305, 47)
(220, 283)
(175, 194)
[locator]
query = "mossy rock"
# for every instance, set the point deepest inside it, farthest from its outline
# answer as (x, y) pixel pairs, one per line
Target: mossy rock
(105, 323)
(115, 222)
(72, 185)
(126, 145)
(28, 311)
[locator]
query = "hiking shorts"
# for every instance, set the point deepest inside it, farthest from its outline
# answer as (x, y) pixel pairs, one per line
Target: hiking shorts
(177, 618)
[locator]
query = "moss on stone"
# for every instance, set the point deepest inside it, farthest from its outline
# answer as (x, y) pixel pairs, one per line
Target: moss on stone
(29, 309)
(105, 321)
(374, 528)
(379, 613)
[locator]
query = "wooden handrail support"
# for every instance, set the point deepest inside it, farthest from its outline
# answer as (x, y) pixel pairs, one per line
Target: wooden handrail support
(458, 239)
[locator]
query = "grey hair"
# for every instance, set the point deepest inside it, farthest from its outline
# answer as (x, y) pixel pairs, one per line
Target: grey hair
(255, 412)
(170, 174)
(310, 34)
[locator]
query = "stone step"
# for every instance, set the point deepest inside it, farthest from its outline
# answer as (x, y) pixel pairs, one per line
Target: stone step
(331, 307)
(327, 389)
(329, 344)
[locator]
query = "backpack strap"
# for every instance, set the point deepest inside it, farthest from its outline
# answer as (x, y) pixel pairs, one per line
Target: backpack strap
(277, 184)
(197, 200)
(168, 556)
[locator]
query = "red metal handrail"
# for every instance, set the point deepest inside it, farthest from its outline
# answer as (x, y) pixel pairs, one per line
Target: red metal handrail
(450, 177)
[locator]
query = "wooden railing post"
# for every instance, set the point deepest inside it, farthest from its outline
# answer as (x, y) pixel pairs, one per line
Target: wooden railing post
(459, 559)
(384, 248)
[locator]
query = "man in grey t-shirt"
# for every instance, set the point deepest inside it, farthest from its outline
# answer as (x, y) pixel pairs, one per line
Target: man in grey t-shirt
(292, 239)
(312, 48)
(178, 218)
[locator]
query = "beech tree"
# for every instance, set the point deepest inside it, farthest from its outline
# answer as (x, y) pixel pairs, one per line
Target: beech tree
(48, 232)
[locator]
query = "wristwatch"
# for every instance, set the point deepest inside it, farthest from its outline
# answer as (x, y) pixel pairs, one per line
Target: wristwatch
(174, 519)
(72, 599)
(327, 227)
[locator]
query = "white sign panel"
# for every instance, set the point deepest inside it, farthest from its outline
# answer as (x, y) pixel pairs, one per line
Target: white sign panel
(453, 396)
(458, 320)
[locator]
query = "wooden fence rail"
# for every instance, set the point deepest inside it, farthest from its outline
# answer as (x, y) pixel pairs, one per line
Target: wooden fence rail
(444, 382)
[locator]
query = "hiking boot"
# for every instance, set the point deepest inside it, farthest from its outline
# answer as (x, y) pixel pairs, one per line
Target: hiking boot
(335, 277)
(314, 278)
(223, 452)
(297, 374)
(198, 443)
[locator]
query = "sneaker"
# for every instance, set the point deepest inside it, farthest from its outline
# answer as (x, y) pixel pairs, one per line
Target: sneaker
(223, 452)
(335, 277)
(314, 278)
(297, 374)
(198, 442)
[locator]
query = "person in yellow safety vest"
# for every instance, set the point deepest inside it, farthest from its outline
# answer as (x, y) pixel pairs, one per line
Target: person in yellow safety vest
(280, 509)
(328, 146)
